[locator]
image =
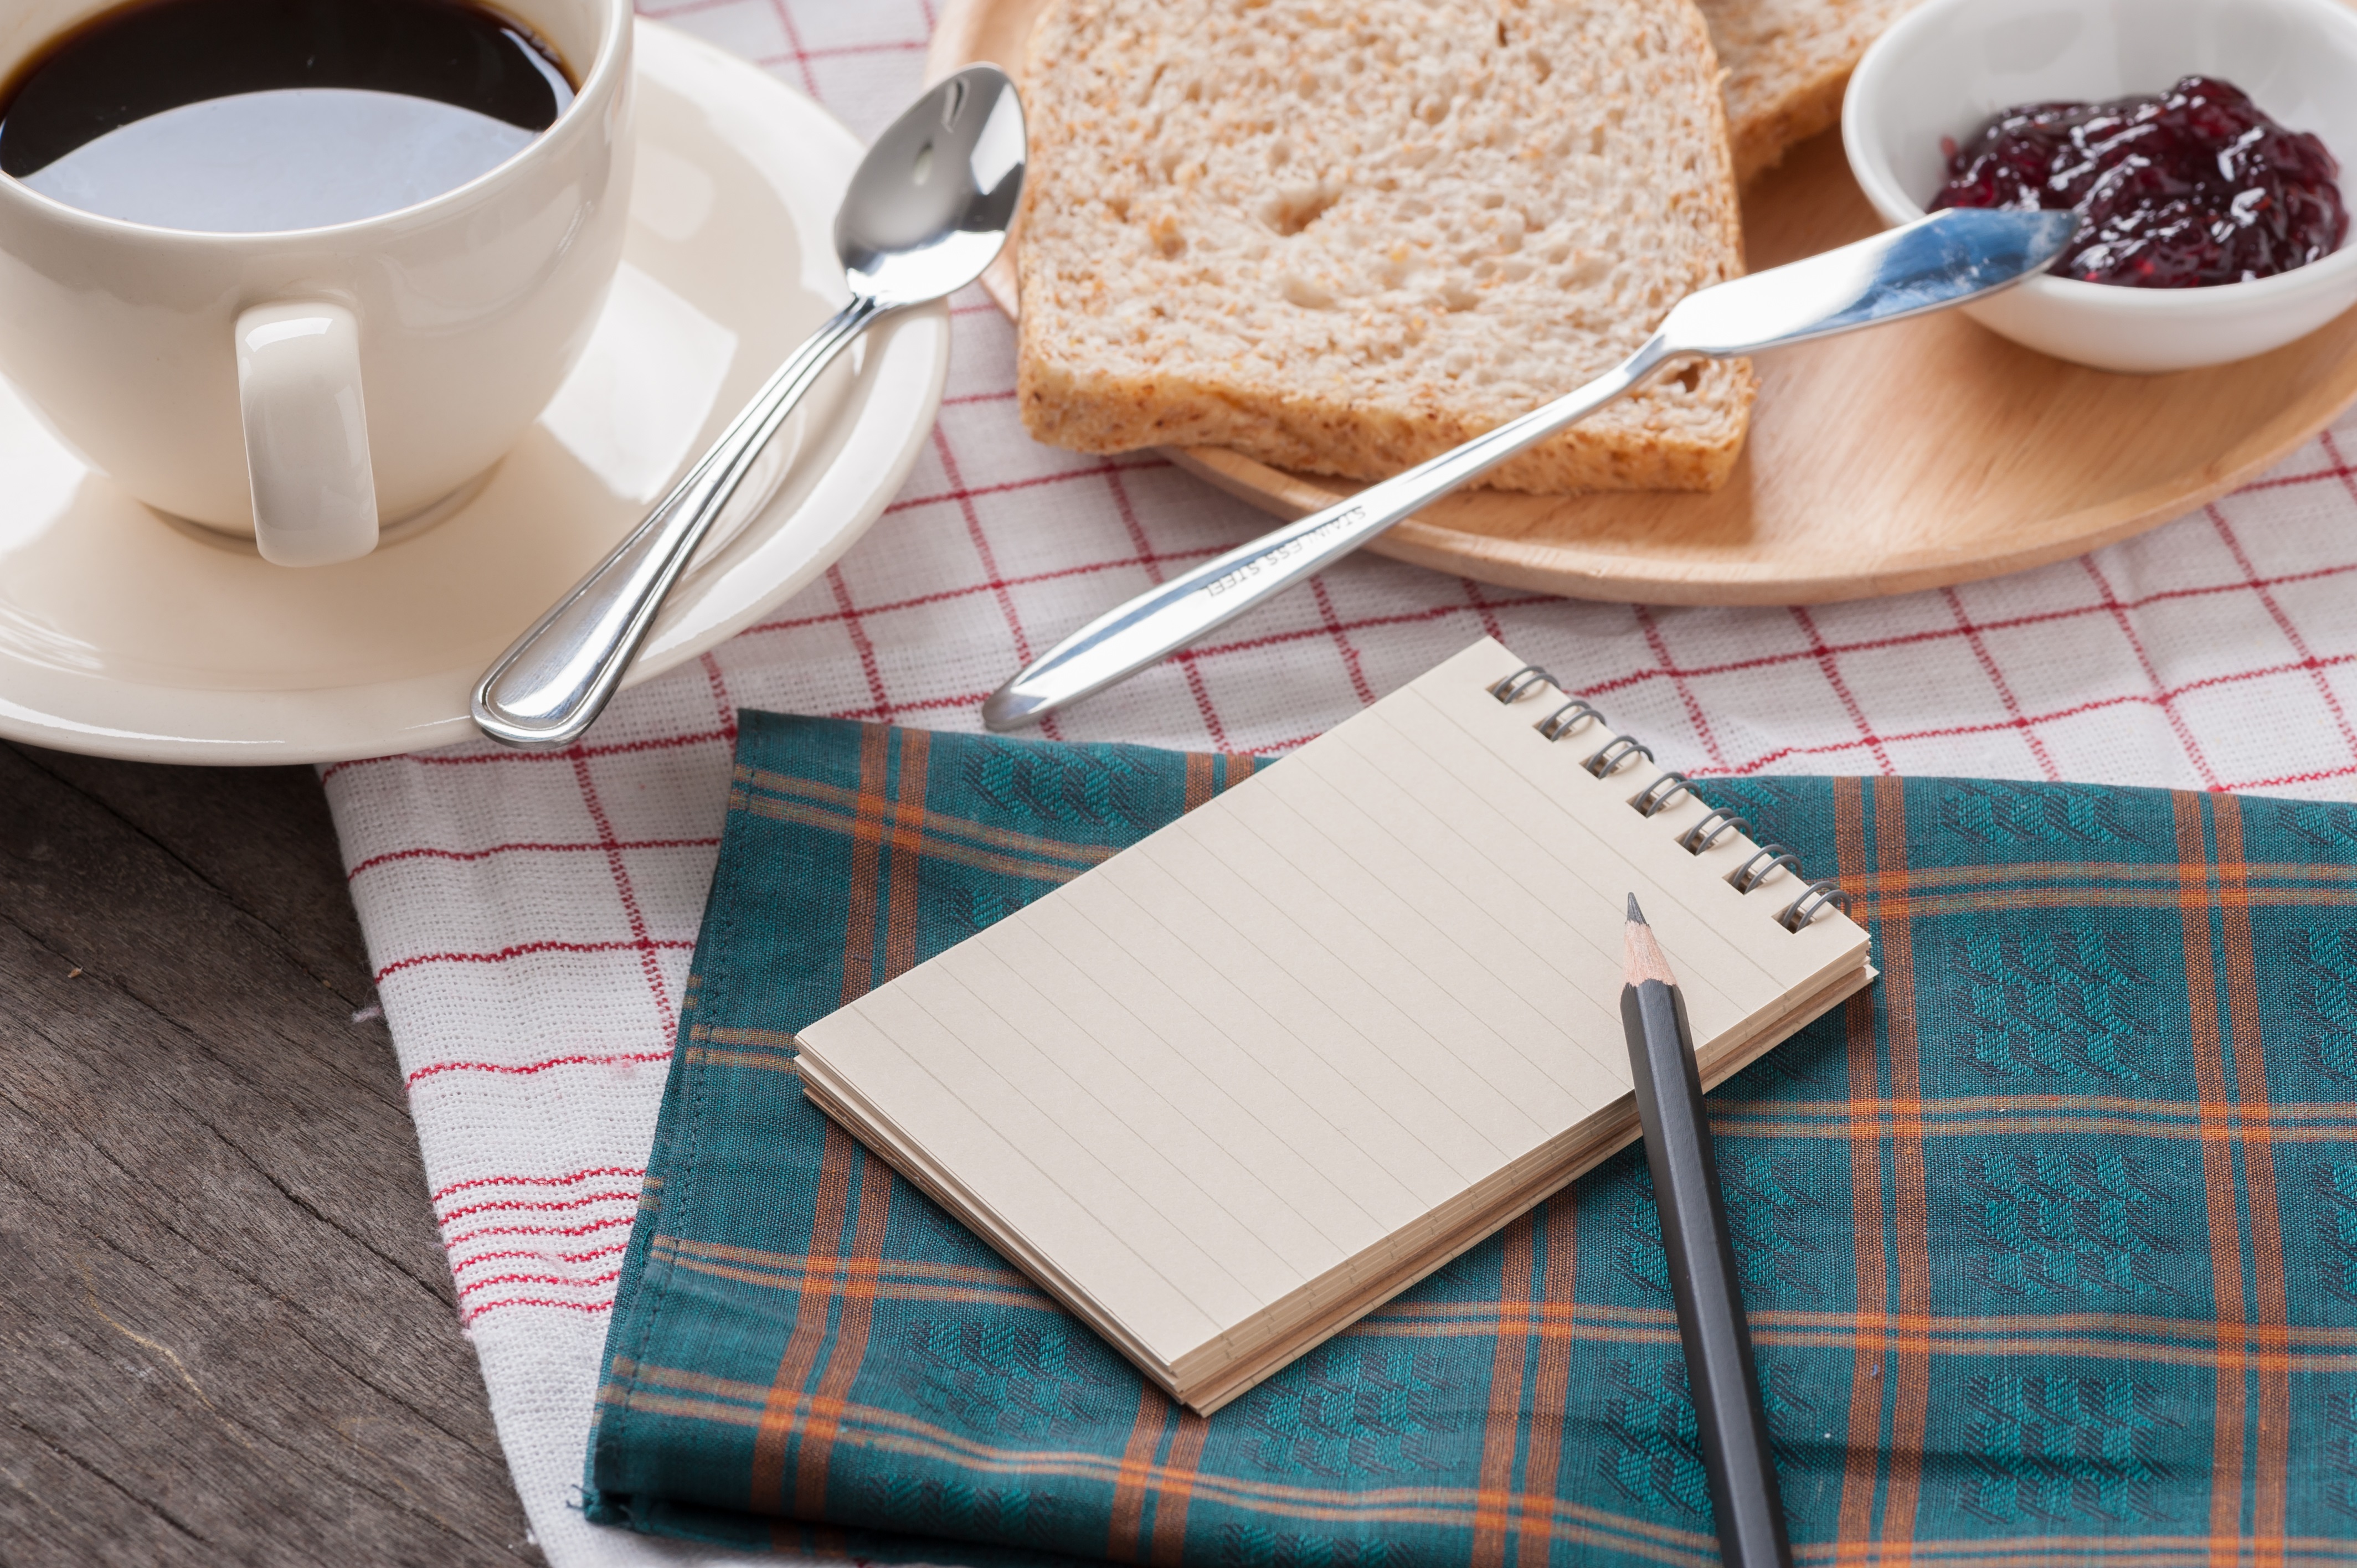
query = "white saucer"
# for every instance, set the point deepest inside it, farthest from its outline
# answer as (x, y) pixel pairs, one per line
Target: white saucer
(125, 634)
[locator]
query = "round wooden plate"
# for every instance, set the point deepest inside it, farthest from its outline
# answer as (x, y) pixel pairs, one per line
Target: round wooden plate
(1910, 456)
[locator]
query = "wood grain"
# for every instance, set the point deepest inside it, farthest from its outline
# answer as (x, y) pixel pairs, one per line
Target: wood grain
(1910, 456)
(227, 1332)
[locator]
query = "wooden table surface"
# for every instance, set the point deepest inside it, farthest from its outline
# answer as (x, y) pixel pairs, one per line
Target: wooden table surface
(226, 1327)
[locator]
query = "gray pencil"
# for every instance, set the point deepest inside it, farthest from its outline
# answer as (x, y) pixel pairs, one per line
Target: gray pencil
(1734, 1453)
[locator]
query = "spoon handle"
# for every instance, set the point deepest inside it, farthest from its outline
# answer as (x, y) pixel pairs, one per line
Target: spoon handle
(554, 680)
(1166, 618)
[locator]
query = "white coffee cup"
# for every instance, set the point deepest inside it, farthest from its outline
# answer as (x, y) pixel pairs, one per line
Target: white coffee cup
(298, 387)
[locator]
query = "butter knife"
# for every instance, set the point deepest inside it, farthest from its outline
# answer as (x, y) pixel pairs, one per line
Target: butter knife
(1946, 259)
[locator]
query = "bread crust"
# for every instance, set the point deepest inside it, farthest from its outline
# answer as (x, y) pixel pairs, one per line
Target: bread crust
(1194, 274)
(1788, 64)
(1086, 411)
(1763, 137)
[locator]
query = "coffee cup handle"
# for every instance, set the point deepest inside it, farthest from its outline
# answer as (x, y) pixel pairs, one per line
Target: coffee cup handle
(306, 450)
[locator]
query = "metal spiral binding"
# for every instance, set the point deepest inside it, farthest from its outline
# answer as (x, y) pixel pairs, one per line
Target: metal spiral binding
(1512, 688)
(1665, 792)
(1711, 829)
(1773, 855)
(1615, 751)
(1565, 719)
(1823, 892)
(1654, 799)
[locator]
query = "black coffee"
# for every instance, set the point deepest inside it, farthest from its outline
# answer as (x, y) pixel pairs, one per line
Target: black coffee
(241, 116)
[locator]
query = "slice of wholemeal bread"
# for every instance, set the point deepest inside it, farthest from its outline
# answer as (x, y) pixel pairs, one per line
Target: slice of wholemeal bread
(1787, 63)
(1342, 236)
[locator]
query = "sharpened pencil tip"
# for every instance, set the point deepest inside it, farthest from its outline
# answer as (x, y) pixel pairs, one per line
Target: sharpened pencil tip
(1642, 956)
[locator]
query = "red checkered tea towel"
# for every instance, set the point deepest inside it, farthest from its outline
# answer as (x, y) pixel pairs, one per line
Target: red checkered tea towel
(530, 916)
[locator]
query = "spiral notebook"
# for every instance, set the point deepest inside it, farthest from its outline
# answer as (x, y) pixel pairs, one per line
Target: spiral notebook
(1255, 1075)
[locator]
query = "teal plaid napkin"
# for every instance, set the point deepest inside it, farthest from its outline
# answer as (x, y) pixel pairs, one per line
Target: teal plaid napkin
(2050, 1240)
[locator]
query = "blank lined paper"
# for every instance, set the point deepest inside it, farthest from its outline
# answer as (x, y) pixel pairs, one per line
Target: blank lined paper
(1231, 1088)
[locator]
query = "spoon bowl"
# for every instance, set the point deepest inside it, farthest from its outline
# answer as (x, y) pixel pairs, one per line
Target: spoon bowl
(928, 209)
(931, 203)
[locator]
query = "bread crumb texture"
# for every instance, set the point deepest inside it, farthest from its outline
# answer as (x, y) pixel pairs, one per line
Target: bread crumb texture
(1788, 62)
(1342, 236)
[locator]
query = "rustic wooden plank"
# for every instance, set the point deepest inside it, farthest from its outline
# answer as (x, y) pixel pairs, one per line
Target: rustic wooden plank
(227, 1330)
(259, 837)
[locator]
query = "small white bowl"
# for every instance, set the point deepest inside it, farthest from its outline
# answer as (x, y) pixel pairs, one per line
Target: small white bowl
(1949, 65)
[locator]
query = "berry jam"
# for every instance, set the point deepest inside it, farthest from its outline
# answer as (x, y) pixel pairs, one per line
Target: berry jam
(2190, 188)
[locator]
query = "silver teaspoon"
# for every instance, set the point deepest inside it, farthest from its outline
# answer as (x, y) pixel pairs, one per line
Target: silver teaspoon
(926, 211)
(1943, 260)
